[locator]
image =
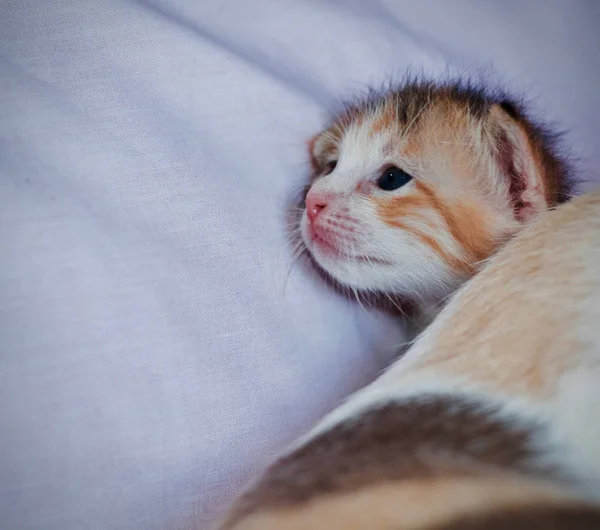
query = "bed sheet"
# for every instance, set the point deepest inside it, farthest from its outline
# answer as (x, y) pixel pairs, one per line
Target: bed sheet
(154, 350)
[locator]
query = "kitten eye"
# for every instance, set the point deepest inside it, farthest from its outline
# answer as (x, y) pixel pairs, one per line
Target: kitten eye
(331, 166)
(393, 178)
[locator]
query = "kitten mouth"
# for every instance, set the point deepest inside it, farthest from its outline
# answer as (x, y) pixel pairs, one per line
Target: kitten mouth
(326, 246)
(332, 250)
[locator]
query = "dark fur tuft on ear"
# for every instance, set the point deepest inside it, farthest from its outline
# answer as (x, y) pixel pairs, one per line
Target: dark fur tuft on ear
(314, 163)
(510, 108)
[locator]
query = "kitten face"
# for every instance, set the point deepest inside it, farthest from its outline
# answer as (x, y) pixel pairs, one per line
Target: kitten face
(413, 189)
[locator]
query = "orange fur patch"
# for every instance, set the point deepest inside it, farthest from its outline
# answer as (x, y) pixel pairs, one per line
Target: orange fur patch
(468, 229)
(496, 347)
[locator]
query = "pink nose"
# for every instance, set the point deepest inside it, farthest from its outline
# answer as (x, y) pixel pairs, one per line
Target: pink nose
(315, 204)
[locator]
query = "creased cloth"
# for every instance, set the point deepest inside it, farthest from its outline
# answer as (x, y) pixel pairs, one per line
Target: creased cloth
(154, 351)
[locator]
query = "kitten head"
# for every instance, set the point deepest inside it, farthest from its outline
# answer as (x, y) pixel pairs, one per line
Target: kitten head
(413, 187)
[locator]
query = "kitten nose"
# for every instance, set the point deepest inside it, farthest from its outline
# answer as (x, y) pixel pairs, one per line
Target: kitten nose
(315, 204)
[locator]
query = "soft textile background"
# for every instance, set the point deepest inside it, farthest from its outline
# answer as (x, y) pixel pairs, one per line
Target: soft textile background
(150, 357)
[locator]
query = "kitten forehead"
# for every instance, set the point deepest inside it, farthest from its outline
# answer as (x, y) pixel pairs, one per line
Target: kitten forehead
(387, 124)
(360, 146)
(432, 139)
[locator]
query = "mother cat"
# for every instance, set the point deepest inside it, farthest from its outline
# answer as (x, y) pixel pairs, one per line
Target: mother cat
(490, 421)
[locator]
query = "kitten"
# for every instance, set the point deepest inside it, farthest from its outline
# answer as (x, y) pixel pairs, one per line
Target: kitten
(489, 422)
(414, 187)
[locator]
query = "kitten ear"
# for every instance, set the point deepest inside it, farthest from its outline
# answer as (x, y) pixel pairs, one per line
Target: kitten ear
(319, 148)
(311, 144)
(516, 160)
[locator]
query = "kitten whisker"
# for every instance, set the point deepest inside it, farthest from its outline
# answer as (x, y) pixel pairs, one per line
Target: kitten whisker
(298, 251)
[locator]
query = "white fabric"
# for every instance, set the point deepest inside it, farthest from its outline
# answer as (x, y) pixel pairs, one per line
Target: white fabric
(150, 357)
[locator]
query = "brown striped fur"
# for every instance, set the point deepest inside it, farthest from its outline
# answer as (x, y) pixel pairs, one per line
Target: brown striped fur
(414, 441)
(351, 456)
